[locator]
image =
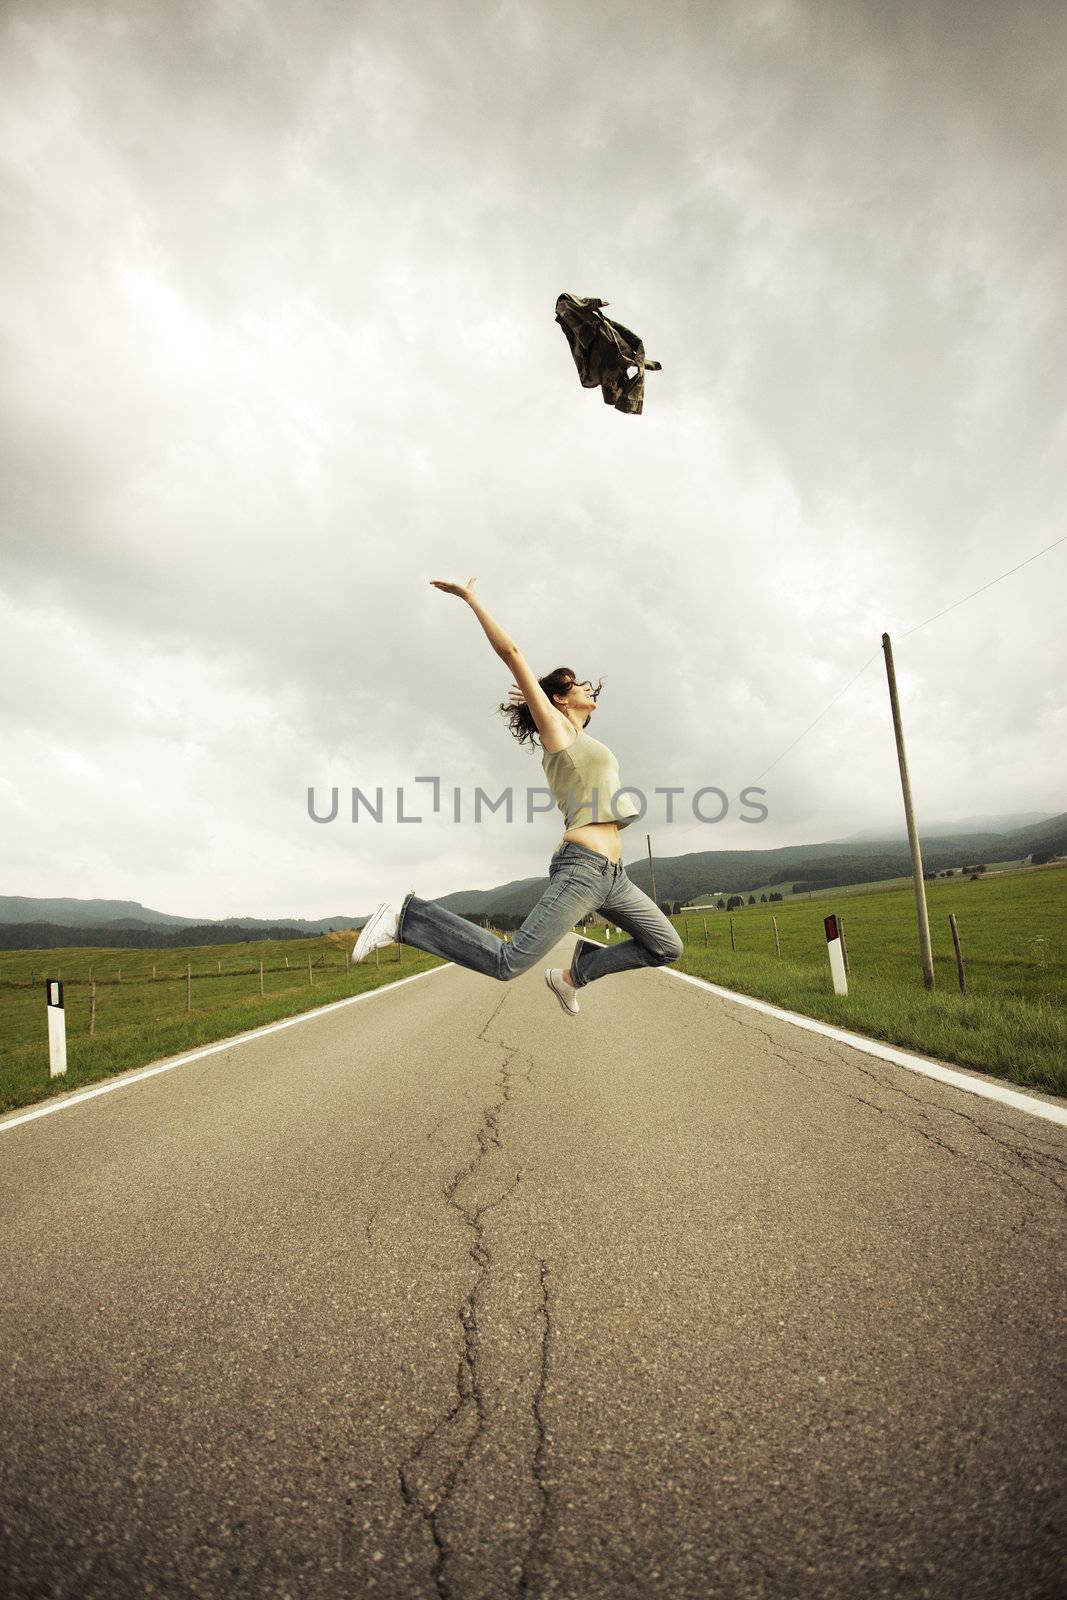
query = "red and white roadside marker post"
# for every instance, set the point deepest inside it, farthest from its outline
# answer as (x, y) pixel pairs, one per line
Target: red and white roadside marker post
(836, 954)
(57, 1028)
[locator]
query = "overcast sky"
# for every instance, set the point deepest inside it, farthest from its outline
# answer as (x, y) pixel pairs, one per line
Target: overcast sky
(278, 288)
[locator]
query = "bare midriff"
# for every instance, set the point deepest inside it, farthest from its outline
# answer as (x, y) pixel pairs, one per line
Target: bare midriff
(600, 836)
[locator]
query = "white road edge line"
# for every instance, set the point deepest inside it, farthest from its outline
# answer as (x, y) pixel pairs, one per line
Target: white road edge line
(122, 1080)
(899, 1058)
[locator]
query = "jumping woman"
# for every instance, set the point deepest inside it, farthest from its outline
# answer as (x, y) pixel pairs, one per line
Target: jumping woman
(586, 871)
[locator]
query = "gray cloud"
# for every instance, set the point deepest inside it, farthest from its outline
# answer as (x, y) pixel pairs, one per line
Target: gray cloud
(279, 348)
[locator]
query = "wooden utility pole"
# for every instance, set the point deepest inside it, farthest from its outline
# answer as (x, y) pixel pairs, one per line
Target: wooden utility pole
(651, 868)
(925, 952)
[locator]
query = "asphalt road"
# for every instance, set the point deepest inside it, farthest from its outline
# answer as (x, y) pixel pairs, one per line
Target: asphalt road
(446, 1294)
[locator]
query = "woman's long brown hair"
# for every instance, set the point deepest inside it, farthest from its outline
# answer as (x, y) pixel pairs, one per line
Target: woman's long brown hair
(520, 721)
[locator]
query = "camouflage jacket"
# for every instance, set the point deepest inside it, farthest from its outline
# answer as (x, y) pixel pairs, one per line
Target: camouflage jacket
(603, 351)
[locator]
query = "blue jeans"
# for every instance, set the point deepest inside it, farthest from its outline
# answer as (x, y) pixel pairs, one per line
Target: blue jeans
(580, 881)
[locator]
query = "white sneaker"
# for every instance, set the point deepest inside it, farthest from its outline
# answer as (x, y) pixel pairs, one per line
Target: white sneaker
(562, 991)
(379, 929)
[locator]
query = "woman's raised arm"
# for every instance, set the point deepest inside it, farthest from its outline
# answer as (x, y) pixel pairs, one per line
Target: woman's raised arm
(502, 642)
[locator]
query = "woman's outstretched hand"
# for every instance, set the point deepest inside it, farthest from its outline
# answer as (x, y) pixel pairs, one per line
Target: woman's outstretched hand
(466, 593)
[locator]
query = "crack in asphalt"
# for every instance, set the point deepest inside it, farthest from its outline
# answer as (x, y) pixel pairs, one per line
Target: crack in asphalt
(368, 1225)
(534, 1548)
(1034, 1161)
(1044, 1163)
(469, 1407)
(429, 1137)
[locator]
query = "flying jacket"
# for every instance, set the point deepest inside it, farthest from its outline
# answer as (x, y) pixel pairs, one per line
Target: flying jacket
(603, 350)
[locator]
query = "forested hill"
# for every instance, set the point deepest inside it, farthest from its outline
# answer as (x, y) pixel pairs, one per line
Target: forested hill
(683, 879)
(37, 923)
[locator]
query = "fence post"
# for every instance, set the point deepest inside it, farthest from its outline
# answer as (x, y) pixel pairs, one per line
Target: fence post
(959, 952)
(188, 988)
(704, 920)
(311, 975)
(92, 1009)
(777, 941)
(261, 974)
(733, 941)
(57, 1027)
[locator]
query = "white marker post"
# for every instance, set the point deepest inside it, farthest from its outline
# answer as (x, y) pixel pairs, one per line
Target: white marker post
(837, 958)
(57, 1028)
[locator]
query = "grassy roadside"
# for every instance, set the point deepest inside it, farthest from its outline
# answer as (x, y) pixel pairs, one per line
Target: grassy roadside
(1011, 1023)
(141, 1019)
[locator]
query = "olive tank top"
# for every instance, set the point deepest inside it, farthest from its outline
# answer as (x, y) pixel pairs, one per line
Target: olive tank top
(585, 780)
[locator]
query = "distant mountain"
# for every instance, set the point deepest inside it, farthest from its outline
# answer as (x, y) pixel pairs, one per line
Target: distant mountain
(27, 923)
(122, 935)
(118, 914)
(75, 913)
(1009, 823)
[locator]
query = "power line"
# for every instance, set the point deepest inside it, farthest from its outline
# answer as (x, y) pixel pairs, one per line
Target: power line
(985, 586)
(819, 718)
(905, 635)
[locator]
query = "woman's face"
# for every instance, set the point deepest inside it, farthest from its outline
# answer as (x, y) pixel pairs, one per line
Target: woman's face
(582, 697)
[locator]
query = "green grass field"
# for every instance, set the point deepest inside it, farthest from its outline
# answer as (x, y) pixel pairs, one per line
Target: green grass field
(875, 887)
(1012, 1023)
